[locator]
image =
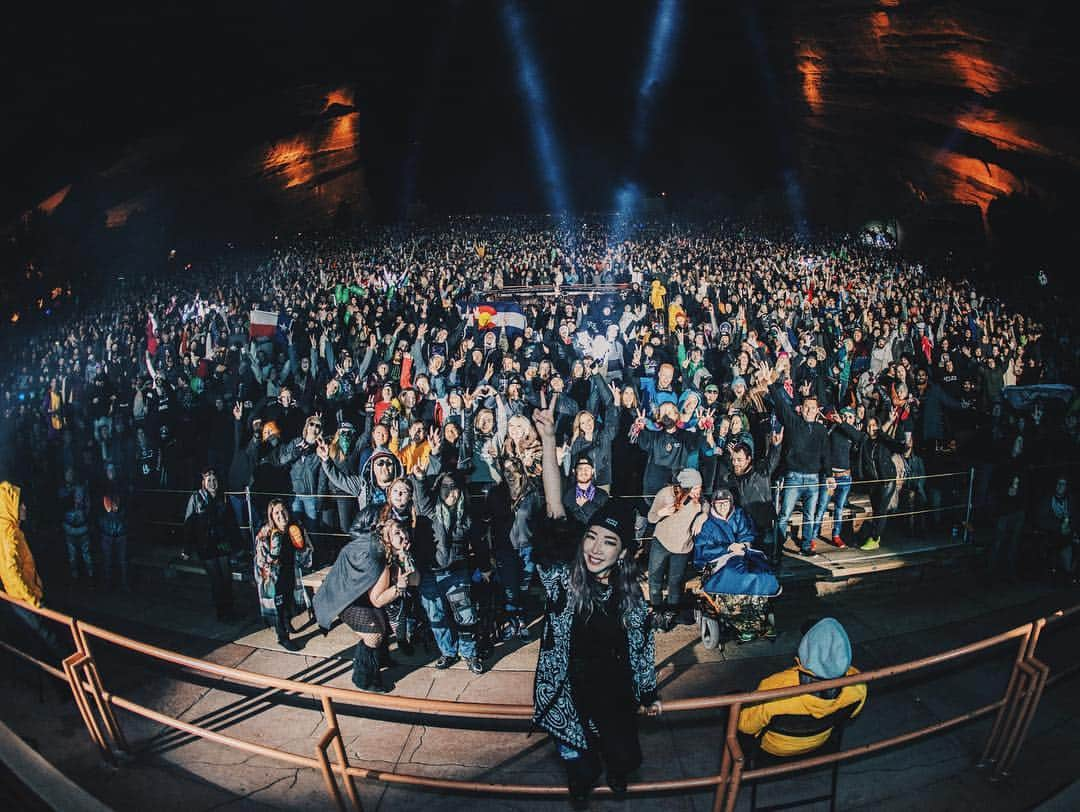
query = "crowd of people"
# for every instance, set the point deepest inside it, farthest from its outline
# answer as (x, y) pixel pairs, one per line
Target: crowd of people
(684, 361)
(423, 404)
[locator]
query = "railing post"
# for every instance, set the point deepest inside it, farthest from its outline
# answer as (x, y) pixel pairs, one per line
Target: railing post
(70, 665)
(333, 734)
(251, 514)
(1028, 701)
(970, 500)
(723, 788)
(732, 743)
(991, 750)
(97, 690)
(778, 538)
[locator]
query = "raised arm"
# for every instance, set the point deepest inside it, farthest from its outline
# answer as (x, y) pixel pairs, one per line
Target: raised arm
(551, 473)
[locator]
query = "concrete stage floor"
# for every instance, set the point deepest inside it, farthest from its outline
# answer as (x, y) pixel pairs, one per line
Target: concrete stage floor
(891, 616)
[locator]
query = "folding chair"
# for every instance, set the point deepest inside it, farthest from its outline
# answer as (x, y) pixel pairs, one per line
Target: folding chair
(801, 726)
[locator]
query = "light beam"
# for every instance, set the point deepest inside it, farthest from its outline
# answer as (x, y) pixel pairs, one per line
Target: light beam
(532, 87)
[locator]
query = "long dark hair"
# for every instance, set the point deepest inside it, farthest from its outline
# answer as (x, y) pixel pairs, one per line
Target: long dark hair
(583, 593)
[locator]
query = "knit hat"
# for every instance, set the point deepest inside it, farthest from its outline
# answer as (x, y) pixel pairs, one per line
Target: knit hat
(618, 517)
(825, 650)
(739, 380)
(688, 478)
(723, 494)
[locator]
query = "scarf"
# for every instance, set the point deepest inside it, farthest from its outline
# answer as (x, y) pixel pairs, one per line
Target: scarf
(588, 493)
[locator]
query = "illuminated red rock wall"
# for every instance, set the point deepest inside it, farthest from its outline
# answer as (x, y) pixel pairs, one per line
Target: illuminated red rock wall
(933, 101)
(225, 166)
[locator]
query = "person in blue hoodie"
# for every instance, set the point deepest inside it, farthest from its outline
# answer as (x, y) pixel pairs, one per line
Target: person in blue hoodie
(735, 574)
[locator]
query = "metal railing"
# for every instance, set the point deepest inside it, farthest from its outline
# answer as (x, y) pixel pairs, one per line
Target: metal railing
(1013, 714)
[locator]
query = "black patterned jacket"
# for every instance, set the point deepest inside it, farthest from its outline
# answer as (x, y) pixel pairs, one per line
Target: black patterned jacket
(553, 705)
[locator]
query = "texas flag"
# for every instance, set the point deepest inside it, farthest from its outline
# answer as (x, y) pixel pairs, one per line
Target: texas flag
(264, 324)
(500, 314)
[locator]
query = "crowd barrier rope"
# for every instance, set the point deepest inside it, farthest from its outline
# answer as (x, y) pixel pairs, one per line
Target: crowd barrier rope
(1012, 714)
(250, 496)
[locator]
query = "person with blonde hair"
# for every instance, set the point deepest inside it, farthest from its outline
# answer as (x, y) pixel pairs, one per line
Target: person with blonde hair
(372, 572)
(282, 552)
(594, 440)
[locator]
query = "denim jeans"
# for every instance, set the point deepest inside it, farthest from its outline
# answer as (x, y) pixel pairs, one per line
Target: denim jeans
(840, 495)
(799, 486)
(450, 637)
(305, 506)
(78, 547)
(1006, 546)
(662, 561)
(46, 645)
(515, 568)
(114, 548)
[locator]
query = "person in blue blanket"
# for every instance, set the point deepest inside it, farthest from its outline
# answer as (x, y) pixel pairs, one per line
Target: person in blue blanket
(737, 576)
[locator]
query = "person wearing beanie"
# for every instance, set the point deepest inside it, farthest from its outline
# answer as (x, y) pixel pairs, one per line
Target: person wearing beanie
(824, 653)
(806, 441)
(674, 509)
(596, 669)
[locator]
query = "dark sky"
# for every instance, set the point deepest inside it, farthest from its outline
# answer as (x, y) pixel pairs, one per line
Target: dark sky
(443, 119)
(437, 88)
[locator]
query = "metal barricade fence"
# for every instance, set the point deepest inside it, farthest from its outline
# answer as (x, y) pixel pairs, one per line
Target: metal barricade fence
(1013, 713)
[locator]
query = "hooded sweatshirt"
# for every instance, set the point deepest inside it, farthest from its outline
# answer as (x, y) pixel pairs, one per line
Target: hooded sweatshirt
(827, 649)
(17, 570)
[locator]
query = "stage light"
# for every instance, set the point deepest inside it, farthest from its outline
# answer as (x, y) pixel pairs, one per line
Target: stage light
(793, 193)
(532, 87)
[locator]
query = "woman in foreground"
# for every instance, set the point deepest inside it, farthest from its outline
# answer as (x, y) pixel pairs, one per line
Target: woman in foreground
(596, 670)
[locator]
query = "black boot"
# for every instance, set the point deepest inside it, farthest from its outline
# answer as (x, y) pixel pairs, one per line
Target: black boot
(365, 674)
(283, 634)
(656, 612)
(581, 774)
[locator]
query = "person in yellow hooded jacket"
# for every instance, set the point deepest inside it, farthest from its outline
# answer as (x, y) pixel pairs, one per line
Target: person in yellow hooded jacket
(18, 573)
(17, 569)
(656, 295)
(824, 654)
